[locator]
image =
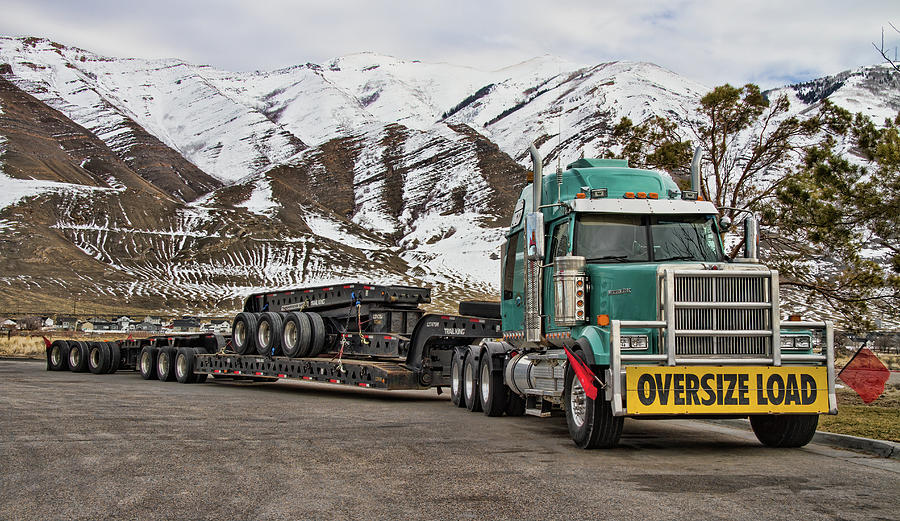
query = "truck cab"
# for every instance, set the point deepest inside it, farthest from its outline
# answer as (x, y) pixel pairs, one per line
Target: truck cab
(621, 272)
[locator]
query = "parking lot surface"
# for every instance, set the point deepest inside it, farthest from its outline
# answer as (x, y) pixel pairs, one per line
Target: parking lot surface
(84, 446)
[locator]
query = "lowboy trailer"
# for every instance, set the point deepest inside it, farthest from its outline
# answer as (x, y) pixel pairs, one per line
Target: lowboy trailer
(617, 300)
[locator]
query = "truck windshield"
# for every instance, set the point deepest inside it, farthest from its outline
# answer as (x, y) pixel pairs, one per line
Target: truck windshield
(637, 238)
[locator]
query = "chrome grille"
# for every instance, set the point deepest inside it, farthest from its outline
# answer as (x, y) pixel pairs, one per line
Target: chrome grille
(718, 303)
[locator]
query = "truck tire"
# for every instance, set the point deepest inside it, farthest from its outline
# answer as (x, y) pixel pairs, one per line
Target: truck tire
(243, 333)
(98, 358)
(78, 357)
(456, 380)
(591, 422)
(493, 393)
(784, 430)
(184, 365)
(146, 363)
(317, 334)
(295, 336)
(165, 364)
(471, 389)
(115, 357)
(268, 334)
(515, 405)
(58, 356)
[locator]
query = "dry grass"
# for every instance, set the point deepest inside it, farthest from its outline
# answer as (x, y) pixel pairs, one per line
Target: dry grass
(26, 346)
(879, 419)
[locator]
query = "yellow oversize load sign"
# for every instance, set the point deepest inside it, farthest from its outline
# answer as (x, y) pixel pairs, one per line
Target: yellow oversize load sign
(725, 390)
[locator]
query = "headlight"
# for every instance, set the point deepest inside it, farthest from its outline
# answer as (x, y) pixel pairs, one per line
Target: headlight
(795, 342)
(634, 342)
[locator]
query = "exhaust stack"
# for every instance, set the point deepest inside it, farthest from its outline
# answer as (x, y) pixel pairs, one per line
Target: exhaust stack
(538, 168)
(534, 255)
(695, 170)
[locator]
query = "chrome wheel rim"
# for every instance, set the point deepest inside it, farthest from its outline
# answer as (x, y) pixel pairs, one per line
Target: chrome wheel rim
(75, 357)
(469, 381)
(162, 366)
(240, 333)
(95, 357)
(290, 335)
(181, 366)
(577, 402)
(485, 382)
(264, 333)
(145, 363)
(454, 378)
(54, 355)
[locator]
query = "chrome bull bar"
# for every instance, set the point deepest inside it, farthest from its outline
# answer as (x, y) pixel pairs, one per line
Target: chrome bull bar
(667, 356)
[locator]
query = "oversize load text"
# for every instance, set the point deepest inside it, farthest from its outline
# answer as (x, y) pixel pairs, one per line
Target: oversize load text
(684, 390)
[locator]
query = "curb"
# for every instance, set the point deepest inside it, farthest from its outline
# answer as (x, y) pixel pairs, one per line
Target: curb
(880, 448)
(11, 358)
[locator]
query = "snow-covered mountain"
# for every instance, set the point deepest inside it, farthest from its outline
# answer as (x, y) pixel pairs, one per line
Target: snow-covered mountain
(200, 185)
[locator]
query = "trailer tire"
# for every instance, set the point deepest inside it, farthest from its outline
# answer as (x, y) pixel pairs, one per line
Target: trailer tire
(317, 334)
(98, 359)
(147, 362)
(471, 390)
(268, 334)
(243, 333)
(115, 357)
(58, 356)
(591, 422)
(456, 380)
(295, 336)
(184, 365)
(784, 430)
(515, 406)
(78, 357)
(494, 394)
(165, 364)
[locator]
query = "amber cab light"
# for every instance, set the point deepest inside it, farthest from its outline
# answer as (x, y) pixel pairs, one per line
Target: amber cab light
(653, 195)
(602, 320)
(642, 195)
(629, 195)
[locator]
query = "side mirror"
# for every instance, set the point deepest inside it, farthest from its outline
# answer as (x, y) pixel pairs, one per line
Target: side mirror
(725, 223)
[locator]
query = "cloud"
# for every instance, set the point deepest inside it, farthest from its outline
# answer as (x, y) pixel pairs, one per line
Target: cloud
(765, 41)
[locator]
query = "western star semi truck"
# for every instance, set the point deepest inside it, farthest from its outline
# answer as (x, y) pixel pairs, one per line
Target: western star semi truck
(617, 300)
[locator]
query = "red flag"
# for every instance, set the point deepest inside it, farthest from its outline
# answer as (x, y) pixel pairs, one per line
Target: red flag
(46, 342)
(584, 374)
(865, 374)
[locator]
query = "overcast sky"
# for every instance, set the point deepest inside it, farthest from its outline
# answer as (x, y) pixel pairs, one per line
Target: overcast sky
(767, 42)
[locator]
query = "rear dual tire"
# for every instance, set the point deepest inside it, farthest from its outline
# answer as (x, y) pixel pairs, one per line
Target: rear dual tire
(165, 364)
(147, 362)
(58, 356)
(184, 366)
(78, 356)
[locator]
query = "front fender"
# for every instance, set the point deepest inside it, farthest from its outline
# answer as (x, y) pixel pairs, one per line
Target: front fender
(597, 340)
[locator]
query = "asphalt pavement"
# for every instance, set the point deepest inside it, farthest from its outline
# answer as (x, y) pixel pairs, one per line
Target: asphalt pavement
(83, 446)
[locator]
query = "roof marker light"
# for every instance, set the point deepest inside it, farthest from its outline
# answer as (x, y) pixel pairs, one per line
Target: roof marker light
(580, 195)
(653, 195)
(629, 195)
(642, 195)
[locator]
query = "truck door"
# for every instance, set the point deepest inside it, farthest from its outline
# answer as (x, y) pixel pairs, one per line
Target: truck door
(512, 282)
(560, 245)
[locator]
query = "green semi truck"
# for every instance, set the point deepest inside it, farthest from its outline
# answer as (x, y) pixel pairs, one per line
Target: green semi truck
(617, 300)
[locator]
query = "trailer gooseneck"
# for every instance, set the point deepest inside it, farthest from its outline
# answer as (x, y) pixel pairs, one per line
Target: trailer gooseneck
(617, 300)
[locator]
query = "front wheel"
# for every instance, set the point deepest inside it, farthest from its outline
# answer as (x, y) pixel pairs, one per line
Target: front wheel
(784, 430)
(591, 422)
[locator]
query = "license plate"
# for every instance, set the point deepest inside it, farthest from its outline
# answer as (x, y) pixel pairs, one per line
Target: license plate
(725, 390)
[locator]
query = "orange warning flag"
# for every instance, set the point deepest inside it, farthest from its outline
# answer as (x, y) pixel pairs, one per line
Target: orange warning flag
(865, 374)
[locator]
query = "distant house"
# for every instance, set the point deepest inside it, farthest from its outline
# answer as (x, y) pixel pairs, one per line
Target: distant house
(186, 325)
(6, 323)
(145, 326)
(66, 323)
(99, 325)
(124, 323)
(151, 319)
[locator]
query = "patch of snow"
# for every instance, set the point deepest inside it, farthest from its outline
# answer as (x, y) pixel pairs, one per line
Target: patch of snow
(332, 229)
(14, 190)
(261, 201)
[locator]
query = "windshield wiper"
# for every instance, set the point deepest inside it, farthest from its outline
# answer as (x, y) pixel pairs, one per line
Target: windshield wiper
(676, 257)
(619, 258)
